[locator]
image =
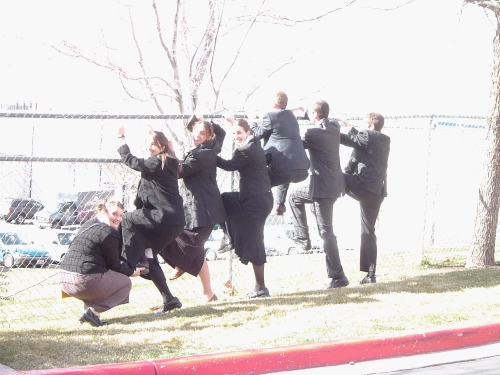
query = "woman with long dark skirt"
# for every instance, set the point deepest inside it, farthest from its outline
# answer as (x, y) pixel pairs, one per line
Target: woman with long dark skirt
(159, 215)
(203, 206)
(248, 209)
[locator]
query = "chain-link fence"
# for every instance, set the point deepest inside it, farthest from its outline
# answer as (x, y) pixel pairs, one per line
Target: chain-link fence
(53, 169)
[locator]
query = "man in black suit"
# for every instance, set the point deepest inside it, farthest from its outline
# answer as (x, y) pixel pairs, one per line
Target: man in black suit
(286, 158)
(326, 184)
(366, 181)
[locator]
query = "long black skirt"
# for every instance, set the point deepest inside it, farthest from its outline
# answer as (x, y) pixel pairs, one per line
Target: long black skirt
(245, 225)
(188, 250)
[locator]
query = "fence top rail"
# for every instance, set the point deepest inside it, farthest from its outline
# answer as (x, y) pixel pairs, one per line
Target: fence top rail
(65, 160)
(180, 116)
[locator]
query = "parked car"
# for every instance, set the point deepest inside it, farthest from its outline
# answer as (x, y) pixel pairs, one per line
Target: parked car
(56, 242)
(17, 251)
(65, 214)
(22, 209)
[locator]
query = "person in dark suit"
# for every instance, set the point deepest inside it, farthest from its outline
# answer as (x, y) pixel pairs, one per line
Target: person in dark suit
(92, 270)
(203, 206)
(286, 158)
(366, 181)
(159, 215)
(248, 208)
(326, 184)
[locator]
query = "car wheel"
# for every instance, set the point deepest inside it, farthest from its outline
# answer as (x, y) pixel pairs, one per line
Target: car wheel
(210, 254)
(56, 225)
(8, 261)
(20, 219)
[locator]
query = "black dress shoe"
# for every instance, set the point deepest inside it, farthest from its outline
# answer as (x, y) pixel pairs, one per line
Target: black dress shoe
(259, 293)
(89, 317)
(338, 283)
(369, 279)
(304, 243)
(173, 304)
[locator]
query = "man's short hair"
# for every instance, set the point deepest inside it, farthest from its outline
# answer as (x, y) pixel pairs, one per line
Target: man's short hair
(281, 99)
(322, 109)
(376, 119)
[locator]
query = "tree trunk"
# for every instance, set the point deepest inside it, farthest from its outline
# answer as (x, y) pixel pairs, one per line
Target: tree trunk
(482, 248)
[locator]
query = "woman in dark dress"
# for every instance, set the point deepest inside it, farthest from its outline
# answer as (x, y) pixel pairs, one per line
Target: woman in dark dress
(203, 206)
(248, 209)
(92, 271)
(159, 215)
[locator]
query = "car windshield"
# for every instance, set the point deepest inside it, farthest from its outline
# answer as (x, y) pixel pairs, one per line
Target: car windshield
(12, 239)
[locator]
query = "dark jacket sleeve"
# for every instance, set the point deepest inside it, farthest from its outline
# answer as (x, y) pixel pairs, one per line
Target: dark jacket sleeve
(263, 130)
(220, 135)
(135, 163)
(191, 164)
(239, 160)
(355, 139)
(110, 246)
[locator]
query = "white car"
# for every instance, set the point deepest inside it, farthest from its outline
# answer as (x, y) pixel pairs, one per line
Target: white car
(56, 242)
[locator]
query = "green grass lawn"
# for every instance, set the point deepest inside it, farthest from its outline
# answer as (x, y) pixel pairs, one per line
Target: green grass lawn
(44, 333)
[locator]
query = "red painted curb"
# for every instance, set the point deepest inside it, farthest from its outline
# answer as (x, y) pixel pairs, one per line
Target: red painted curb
(261, 361)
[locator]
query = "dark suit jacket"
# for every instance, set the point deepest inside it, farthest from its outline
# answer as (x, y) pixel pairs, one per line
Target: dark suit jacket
(281, 134)
(95, 249)
(158, 188)
(326, 178)
(203, 204)
(368, 159)
(250, 161)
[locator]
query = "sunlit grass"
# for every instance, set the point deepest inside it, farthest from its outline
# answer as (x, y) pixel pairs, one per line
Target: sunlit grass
(407, 297)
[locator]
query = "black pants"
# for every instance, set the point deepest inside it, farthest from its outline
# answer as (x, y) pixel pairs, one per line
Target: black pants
(282, 182)
(369, 204)
(323, 211)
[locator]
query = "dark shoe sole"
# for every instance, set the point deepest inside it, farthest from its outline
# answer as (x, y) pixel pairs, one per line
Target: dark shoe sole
(169, 306)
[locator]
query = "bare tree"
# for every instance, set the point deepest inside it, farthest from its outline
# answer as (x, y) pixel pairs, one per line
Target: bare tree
(194, 50)
(482, 248)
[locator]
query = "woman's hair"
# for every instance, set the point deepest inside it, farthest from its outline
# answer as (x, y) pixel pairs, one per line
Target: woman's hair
(160, 140)
(244, 124)
(376, 119)
(209, 128)
(107, 204)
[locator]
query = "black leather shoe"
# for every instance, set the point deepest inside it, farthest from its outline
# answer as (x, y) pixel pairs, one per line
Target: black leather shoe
(173, 304)
(338, 283)
(304, 243)
(89, 317)
(259, 293)
(369, 279)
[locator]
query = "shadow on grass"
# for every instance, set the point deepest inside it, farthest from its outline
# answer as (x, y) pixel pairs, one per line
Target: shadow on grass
(146, 335)
(444, 282)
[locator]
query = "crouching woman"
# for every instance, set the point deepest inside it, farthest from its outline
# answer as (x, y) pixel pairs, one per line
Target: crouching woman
(92, 271)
